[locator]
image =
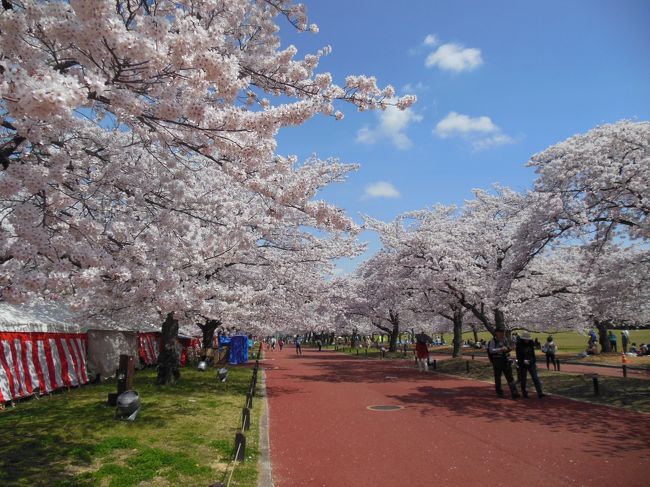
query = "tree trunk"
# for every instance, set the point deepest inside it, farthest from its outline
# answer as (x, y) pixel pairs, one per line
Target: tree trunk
(458, 332)
(499, 319)
(208, 329)
(475, 332)
(601, 326)
(169, 357)
(394, 319)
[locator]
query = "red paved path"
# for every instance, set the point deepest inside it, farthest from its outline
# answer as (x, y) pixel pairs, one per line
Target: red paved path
(451, 430)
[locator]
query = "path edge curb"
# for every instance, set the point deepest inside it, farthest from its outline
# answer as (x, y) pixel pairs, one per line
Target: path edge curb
(265, 478)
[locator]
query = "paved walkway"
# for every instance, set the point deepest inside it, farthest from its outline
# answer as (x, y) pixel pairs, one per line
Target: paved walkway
(449, 430)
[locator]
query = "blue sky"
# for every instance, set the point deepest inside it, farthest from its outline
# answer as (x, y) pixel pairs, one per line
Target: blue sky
(497, 81)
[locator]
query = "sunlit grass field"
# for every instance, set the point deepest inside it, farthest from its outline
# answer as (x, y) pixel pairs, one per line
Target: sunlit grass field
(570, 344)
(184, 435)
(567, 341)
(630, 393)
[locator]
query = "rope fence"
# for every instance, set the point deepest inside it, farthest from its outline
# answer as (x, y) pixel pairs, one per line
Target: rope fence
(240, 437)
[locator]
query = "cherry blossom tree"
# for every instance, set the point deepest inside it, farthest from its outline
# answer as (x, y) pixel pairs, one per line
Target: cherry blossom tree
(376, 293)
(110, 107)
(483, 259)
(421, 241)
(615, 288)
(540, 260)
(138, 151)
(602, 178)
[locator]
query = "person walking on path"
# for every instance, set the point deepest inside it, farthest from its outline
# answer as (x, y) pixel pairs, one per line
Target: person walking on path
(422, 355)
(281, 343)
(499, 354)
(319, 344)
(273, 343)
(550, 348)
(625, 339)
(298, 346)
(612, 342)
(527, 362)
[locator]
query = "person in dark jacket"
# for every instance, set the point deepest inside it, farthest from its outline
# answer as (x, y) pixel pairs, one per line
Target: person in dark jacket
(499, 354)
(550, 349)
(527, 362)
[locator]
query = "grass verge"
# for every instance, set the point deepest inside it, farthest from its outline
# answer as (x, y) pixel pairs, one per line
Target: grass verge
(602, 358)
(184, 435)
(621, 392)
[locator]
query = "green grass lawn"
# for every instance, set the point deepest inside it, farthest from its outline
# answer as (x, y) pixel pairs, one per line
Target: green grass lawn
(615, 391)
(184, 435)
(567, 341)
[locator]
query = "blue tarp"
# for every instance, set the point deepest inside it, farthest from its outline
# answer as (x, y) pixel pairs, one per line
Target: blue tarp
(238, 348)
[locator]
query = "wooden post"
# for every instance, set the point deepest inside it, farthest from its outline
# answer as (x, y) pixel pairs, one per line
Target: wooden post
(467, 366)
(249, 401)
(125, 374)
(596, 389)
(246, 419)
(624, 370)
(240, 446)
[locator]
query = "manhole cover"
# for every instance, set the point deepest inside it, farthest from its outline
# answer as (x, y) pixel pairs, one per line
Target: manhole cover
(384, 408)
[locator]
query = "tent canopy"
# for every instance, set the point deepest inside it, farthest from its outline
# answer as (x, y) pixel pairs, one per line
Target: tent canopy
(49, 317)
(37, 318)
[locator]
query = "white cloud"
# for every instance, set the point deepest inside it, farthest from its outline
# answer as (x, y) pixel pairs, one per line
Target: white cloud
(480, 132)
(492, 141)
(431, 40)
(410, 88)
(366, 136)
(392, 125)
(381, 189)
(454, 57)
(459, 124)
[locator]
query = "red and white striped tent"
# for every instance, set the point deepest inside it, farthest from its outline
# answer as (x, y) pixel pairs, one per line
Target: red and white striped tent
(149, 347)
(41, 349)
(44, 346)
